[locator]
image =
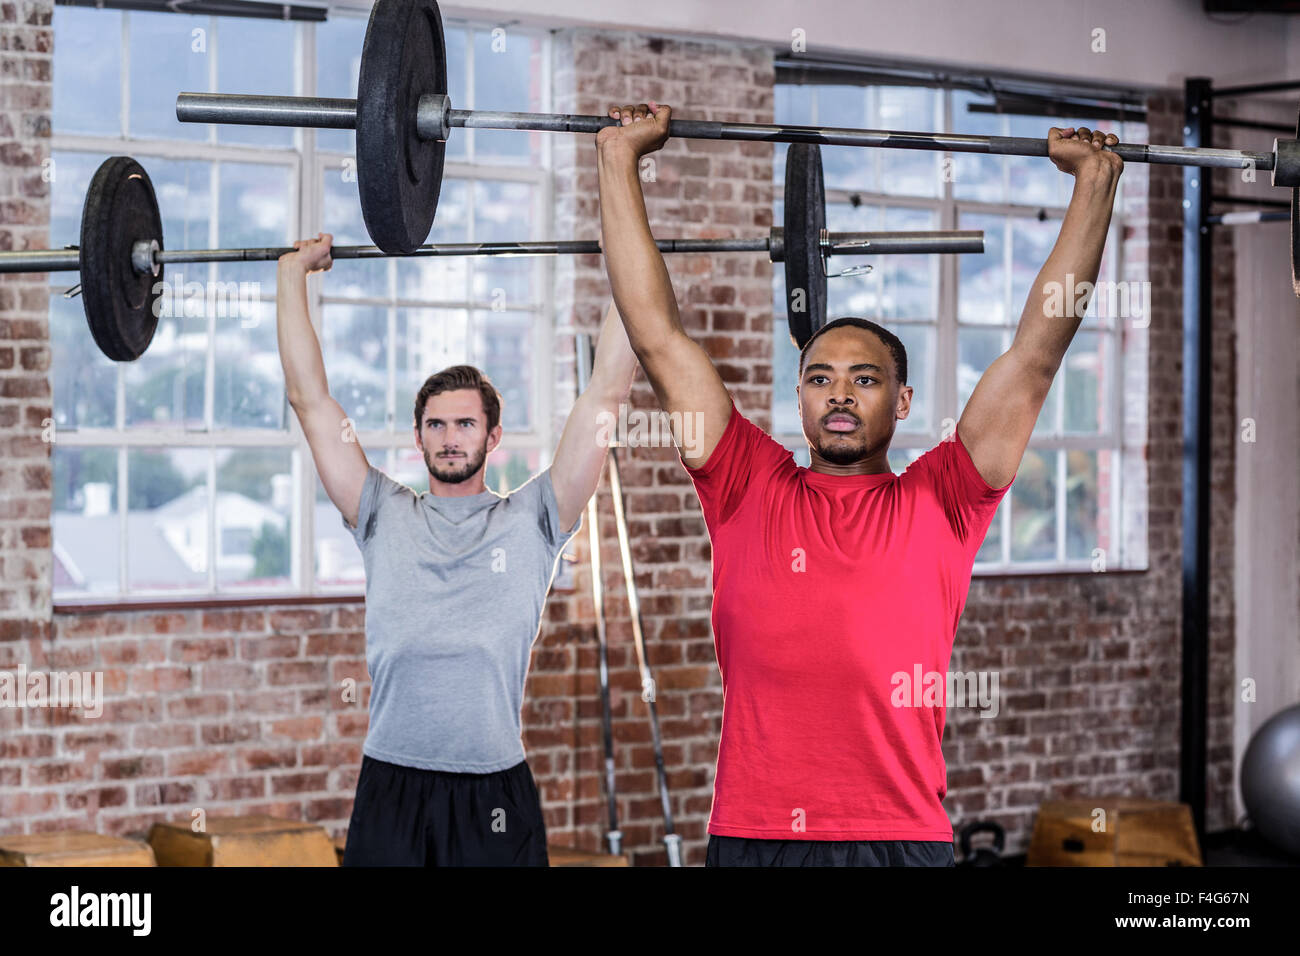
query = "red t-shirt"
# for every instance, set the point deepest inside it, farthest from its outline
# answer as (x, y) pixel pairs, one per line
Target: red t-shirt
(825, 588)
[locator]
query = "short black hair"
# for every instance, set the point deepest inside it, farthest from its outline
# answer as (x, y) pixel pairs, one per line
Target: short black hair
(891, 340)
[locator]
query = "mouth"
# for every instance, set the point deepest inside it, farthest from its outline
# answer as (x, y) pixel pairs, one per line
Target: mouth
(840, 423)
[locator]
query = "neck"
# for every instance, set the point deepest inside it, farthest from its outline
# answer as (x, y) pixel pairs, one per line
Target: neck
(457, 489)
(877, 464)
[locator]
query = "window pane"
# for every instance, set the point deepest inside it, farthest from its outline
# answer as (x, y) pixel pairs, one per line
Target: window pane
(428, 341)
(507, 469)
(341, 218)
(1082, 503)
(1031, 243)
(909, 284)
(982, 282)
(918, 341)
(257, 56)
(87, 553)
(857, 294)
(503, 211)
(248, 384)
(503, 348)
(974, 176)
(907, 172)
(167, 521)
(255, 206)
(72, 174)
(85, 382)
(900, 458)
(356, 361)
(976, 350)
(845, 167)
(507, 76)
(254, 517)
(1085, 396)
(163, 63)
(166, 384)
(1033, 507)
(337, 559)
(338, 68)
(439, 279)
(87, 71)
(1033, 179)
(991, 550)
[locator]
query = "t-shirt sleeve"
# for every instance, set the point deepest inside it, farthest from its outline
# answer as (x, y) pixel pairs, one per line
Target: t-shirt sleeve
(548, 511)
(744, 455)
(376, 488)
(965, 497)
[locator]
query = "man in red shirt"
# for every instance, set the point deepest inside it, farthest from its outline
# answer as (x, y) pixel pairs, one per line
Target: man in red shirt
(838, 585)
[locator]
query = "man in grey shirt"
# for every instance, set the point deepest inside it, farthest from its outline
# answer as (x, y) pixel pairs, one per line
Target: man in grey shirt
(456, 579)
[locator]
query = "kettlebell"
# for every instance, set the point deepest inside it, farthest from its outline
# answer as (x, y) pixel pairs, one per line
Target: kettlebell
(984, 855)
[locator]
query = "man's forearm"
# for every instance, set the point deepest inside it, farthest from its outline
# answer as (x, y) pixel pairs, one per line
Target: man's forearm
(300, 352)
(615, 362)
(638, 277)
(1052, 313)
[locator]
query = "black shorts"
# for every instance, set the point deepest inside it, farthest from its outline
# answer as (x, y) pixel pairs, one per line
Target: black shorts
(743, 851)
(404, 816)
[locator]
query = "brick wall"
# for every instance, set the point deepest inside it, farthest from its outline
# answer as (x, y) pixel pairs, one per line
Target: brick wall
(241, 709)
(25, 404)
(692, 189)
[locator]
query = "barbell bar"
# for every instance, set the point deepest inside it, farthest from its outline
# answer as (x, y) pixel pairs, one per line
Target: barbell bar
(121, 254)
(403, 116)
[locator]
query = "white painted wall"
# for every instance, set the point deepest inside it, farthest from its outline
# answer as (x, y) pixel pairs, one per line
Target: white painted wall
(1149, 43)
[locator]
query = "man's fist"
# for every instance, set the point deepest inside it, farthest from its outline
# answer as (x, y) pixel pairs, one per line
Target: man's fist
(1079, 152)
(311, 255)
(642, 128)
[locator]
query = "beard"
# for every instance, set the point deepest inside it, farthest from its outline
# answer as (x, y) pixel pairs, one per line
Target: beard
(453, 471)
(841, 451)
(841, 448)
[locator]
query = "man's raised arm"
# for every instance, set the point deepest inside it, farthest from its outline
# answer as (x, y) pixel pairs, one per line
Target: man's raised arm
(340, 460)
(1000, 414)
(680, 372)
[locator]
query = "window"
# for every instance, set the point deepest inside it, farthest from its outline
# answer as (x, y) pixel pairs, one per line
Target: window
(1078, 502)
(183, 473)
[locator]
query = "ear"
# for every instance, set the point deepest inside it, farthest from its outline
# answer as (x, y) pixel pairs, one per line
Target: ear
(904, 402)
(494, 439)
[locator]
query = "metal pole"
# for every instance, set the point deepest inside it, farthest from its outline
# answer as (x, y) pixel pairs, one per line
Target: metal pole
(613, 835)
(842, 243)
(672, 841)
(341, 114)
(1198, 386)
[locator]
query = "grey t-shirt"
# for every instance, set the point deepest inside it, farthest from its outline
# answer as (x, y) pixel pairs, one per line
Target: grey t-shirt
(454, 595)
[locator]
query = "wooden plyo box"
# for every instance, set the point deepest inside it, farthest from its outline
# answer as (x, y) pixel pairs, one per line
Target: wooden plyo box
(243, 841)
(73, 848)
(567, 856)
(1138, 832)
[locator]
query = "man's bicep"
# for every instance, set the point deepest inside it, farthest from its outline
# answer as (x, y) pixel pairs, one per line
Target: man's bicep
(691, 391)
(1000, 414)
(340, 461)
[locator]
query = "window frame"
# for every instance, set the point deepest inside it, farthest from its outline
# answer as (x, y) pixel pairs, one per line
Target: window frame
(307, 166)
(944, 408)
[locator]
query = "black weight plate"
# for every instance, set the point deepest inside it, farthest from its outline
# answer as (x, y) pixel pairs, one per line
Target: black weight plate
(400, 175)
(120, 210)
(805, 218)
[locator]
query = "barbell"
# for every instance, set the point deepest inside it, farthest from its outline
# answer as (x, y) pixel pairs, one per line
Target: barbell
(121, 254)
(402, 117)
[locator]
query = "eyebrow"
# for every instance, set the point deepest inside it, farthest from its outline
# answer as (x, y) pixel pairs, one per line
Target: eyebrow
(462, 418)
(861, 366)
